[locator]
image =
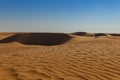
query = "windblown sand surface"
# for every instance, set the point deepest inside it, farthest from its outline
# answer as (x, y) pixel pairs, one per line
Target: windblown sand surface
(69, 58)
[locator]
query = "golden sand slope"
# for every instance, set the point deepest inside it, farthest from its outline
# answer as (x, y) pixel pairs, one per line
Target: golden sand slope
(81, 58)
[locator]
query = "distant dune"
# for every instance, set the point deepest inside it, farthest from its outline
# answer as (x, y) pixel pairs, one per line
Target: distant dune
(114, 34)
(100, 34)
(38, 38)
(59, 56)
(95, 34)
(83, 34)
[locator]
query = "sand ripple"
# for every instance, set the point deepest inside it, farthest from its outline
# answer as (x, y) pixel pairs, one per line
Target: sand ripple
(90, 60)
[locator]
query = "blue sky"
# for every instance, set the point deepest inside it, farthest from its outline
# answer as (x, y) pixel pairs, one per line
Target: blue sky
(60, 15)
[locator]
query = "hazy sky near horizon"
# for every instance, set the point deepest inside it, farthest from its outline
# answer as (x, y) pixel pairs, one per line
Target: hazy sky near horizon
(60, 15)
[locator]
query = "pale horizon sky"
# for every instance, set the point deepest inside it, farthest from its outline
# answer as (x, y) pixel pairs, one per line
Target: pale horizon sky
(60, 16)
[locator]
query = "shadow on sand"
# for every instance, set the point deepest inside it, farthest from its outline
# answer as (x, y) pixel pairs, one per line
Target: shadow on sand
(47, 39)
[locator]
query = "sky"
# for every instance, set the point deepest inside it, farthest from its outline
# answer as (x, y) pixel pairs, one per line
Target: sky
(60, 16)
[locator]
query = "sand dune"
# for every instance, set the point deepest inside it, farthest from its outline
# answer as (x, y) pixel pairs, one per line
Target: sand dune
(93, 34)
(100, 34)
(82, 34)
(38, 38)
(114, 34)
(77, 58)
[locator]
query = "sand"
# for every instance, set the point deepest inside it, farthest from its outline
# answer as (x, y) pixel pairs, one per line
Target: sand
(78, 58)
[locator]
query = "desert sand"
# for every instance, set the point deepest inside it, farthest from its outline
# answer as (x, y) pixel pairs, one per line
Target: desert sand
(59, 56)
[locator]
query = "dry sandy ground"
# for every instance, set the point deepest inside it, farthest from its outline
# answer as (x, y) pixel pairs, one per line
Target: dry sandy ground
(81, 58)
